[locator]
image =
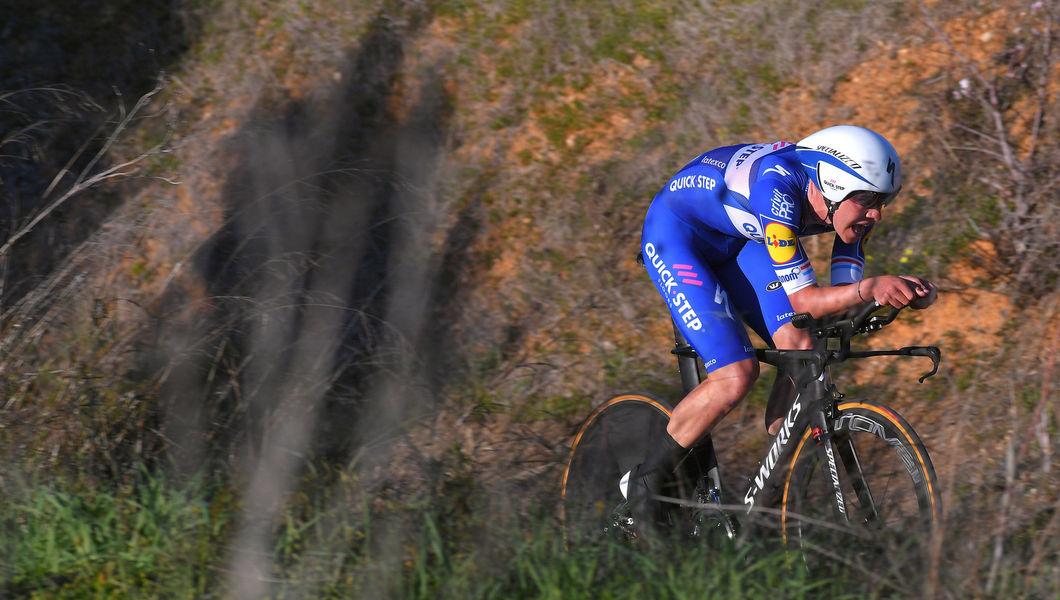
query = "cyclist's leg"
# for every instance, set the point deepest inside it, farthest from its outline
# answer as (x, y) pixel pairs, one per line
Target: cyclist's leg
(765, 306)
(676, 259)
(692, 419)
(706, 405)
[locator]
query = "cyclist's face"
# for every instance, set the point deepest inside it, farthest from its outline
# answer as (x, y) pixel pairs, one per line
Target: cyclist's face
(868, 199)
(853, 218)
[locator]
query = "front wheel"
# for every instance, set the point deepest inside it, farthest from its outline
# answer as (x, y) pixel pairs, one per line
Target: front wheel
(888, 491)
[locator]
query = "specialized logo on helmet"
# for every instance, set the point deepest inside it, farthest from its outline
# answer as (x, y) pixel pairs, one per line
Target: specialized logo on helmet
(853, 164)
(781, 242)
(848, 158)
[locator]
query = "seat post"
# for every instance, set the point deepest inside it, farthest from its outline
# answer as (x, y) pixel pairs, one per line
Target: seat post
(704, 459)
(687, 361)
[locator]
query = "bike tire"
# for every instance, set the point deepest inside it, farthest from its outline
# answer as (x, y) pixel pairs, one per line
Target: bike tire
(890, 490)
(611, 441)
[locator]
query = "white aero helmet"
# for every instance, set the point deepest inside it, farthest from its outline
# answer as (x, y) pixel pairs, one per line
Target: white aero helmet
(845, 159)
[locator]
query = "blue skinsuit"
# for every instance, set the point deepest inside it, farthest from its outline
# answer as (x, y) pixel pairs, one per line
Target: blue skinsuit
(696, 247)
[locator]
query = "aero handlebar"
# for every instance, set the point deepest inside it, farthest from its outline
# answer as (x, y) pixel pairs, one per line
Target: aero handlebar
(858, 320)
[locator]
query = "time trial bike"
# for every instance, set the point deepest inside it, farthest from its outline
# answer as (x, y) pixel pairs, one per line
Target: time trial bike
(843, 478)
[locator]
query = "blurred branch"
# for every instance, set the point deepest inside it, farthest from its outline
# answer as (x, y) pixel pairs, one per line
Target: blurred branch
(20, 105)
(86, 179)
(1013, 459)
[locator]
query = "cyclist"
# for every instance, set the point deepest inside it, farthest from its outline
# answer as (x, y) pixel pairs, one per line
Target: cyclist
(721, 243)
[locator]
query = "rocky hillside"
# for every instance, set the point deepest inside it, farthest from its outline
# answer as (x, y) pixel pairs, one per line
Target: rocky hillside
(401, 236)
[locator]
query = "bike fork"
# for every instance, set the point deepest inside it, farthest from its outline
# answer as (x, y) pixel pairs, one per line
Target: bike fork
(852, 468)
(828, 460)
(821, 431)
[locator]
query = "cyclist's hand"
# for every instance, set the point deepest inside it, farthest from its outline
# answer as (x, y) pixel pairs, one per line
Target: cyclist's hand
(890, 290)
(925, 291)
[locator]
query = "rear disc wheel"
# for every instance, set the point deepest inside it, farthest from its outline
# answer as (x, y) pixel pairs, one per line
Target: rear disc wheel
(616, 437)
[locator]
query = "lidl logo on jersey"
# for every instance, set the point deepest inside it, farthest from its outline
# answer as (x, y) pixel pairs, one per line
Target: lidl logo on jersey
(781, 241)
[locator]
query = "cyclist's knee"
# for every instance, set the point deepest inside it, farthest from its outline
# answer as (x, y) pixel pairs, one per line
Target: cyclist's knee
(789, 337)
(739, 376)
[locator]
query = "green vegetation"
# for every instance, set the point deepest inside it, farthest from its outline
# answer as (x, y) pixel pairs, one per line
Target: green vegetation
(155, 539)
(150, 538)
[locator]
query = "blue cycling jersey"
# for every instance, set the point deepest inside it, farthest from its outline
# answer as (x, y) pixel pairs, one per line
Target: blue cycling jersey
(722, 239)
(756, 192)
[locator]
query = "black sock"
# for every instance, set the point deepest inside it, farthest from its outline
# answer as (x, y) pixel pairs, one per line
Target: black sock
(663, 458)
(648, 478)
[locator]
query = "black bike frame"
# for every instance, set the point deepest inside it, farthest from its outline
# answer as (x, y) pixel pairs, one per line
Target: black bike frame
(814, 407)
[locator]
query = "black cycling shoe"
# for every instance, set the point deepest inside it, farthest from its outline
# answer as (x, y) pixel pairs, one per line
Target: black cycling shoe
(645, 481)
(648, 513)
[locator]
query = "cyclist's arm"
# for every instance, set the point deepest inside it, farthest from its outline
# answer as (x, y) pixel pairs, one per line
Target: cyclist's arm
(888, 290)
(848, 267)
(848, 260)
